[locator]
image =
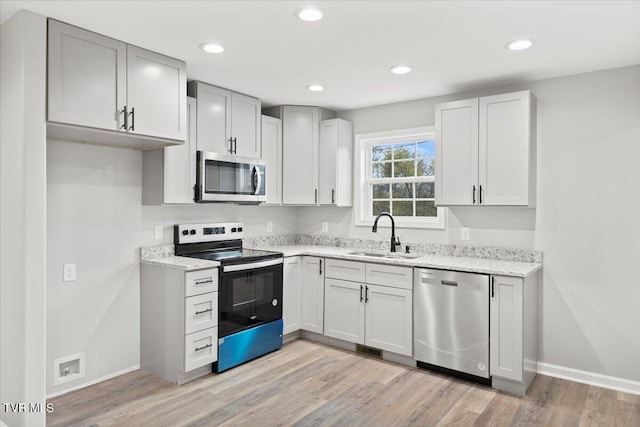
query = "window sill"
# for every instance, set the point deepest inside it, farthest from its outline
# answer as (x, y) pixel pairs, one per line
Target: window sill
(439, 224)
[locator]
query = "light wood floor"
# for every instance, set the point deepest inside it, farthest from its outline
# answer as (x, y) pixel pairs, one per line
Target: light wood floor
(307, 383)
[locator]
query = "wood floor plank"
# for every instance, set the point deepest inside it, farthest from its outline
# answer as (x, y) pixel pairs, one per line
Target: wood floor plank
(310, 384)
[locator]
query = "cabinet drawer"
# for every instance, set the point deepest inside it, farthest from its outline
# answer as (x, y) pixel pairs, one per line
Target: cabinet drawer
(200, 312)
(200, 348)
(201, 282)
(345, 270)
(389, 275)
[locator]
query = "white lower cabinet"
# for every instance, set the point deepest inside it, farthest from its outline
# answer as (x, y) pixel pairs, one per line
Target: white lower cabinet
(371, 314)
(389, 319)
(291, 294)
(513, 340)
(312, 294)
(178, 322)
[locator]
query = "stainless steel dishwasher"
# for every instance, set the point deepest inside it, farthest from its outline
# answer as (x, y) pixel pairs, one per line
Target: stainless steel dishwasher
(451, 322)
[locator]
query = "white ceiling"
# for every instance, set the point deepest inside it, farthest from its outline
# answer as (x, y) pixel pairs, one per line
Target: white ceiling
(453, 45)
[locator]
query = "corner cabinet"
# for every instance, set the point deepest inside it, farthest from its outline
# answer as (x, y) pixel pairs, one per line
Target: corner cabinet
(312, 294)
(228, 122)
(513, 338)
(272, 156)
(300, 156)
(484, 151)
(370, 304)
(169, 174)
(106, 91)
(335, 184)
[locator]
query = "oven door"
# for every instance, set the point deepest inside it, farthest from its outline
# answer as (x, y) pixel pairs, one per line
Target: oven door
(249, 295)
(225, 178)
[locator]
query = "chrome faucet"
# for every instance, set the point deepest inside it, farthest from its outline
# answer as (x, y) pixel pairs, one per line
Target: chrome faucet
(395, 242)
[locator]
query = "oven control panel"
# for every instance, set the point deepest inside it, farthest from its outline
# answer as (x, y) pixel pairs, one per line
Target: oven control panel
(207, 232)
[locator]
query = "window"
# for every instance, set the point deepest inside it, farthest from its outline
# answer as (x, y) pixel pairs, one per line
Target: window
(396, 173)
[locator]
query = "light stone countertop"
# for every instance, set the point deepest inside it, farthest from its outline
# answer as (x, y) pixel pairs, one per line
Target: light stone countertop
(473, 265)
(163, 256)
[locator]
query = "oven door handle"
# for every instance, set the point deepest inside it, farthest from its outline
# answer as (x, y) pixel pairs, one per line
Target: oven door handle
(251, 265)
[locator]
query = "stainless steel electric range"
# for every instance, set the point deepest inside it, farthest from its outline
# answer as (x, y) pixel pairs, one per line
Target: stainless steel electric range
(249, 290)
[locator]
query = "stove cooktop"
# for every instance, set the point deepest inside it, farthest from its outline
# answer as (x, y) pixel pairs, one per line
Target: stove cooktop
(235, 256)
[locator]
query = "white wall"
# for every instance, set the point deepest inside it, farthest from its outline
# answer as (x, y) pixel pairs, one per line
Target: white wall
(587, 221)
(22, 216)
(95, 219)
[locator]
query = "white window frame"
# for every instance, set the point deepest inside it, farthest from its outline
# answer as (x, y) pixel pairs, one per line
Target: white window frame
(362, 172)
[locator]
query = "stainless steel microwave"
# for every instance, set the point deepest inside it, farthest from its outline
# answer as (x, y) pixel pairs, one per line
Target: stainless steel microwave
(226, 178)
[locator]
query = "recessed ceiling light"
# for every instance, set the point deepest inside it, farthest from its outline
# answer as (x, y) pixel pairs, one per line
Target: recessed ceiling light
(212, 48)
(401, 69)
(315, 88)
(310, 14)
(519, 44)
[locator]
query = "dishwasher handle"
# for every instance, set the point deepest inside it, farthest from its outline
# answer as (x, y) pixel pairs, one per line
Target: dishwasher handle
(449, 283)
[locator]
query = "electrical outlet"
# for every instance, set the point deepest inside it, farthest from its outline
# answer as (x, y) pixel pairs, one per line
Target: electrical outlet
(465, 233)
(325, 227)
(158, 232)
(269, 226)
(69, 272)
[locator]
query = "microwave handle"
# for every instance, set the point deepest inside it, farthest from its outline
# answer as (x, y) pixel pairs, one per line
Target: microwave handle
(257, 180)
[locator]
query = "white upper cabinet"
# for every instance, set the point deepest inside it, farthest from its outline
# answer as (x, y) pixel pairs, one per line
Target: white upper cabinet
(96, 83)
(228, 122)
(300, 152)
(86, 71)
(169, 174)
(335, 186)
(245, 125)
(272, 156)
(483, 152)
(155, 86)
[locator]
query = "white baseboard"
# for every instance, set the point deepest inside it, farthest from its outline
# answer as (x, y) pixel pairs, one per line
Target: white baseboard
(92, 382)
(590, 378)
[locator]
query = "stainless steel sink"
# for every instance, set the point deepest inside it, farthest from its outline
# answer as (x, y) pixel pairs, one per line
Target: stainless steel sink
(389, 255)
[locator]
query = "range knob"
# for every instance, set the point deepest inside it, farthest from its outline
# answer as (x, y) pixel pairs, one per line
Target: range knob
(185, 232)
(192, 232)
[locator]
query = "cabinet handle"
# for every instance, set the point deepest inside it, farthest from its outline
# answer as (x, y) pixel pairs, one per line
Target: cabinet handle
(125, 125)
(235, 145)
(203, 347)
(360, 293)
(480, 195)
(493, 281)
(230, 145)
(333, 196)
(366, 294)
(203, 282)
(474, 194)
(133, 120)
(316, 196)
(204, 311)
(321, 267)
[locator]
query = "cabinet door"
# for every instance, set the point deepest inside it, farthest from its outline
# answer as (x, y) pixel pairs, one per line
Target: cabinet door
(505, 343)
(344, 310)
(245, 125)
(214, 118)
(156, 94)
(272, 156)
(388, 316)
(291, 294)
(335, 153)
(504, 148)
(457, 153)
(313, 294)
(327, 158)
(86, 75)
(179, 164)
(300, 155)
